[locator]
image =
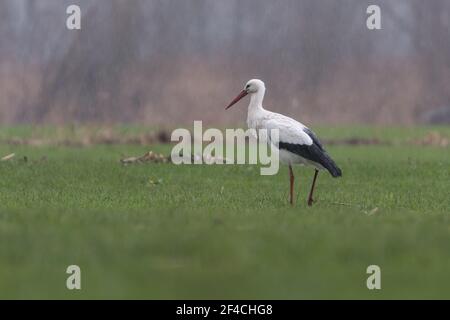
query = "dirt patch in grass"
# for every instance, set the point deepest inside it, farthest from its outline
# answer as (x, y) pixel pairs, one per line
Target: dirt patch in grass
(109, 136)
(433, 138)
(102, 137)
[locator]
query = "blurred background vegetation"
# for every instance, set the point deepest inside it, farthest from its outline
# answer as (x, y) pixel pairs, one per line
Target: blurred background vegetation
(170, 62)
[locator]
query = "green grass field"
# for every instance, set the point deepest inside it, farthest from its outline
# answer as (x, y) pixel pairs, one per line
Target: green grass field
(156, 231)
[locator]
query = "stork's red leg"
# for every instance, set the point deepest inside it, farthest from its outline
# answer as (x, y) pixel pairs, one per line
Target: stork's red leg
(291, 193)
(310, 198)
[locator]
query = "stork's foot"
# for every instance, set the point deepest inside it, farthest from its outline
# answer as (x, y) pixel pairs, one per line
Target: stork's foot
(311, 201)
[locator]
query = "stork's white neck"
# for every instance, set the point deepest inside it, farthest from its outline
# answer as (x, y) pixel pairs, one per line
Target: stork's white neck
(255, 108)
(256, 100)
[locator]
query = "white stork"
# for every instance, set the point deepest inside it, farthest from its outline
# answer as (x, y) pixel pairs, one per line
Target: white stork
(297, 143)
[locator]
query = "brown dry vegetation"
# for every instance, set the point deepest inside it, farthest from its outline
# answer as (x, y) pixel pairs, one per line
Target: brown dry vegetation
(389, 93)
(134, 62)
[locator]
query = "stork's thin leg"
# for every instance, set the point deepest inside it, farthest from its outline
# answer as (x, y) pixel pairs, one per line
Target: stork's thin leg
(291, 193)
(310, 198)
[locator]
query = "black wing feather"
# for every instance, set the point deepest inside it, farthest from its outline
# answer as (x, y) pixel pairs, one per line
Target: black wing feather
(314, 138)
(314, 152)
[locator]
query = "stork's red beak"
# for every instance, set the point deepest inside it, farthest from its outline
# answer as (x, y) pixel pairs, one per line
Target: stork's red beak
(239, 97)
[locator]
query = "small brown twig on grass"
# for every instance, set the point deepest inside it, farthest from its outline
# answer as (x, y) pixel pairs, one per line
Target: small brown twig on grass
(148, 157)
(8, 157)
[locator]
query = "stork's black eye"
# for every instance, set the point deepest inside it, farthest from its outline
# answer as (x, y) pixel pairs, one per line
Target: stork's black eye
(247, 86)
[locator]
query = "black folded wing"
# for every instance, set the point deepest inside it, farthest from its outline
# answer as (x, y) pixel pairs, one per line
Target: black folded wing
(313, 152)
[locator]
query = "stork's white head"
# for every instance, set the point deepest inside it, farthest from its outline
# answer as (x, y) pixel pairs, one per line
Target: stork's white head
(254, 85)
(251, 87)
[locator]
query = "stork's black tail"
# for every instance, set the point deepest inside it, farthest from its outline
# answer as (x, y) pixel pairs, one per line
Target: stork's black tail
(317, 153)
(330, 165)
(314, 153)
